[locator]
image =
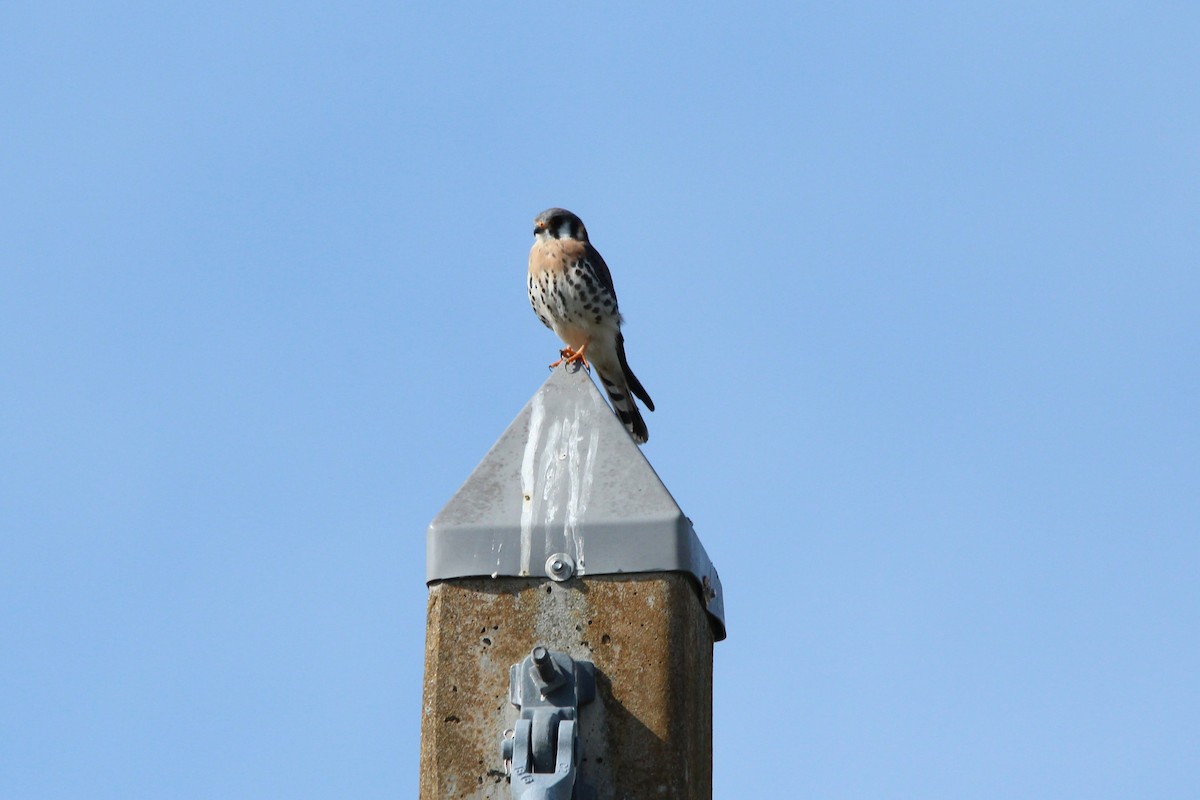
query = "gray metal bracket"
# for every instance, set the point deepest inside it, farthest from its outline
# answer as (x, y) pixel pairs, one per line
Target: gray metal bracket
(541, 752)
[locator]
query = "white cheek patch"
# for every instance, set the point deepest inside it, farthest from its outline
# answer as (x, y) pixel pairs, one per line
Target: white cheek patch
(564, 230)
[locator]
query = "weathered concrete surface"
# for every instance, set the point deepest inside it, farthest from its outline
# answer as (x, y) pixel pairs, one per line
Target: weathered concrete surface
(647, 735)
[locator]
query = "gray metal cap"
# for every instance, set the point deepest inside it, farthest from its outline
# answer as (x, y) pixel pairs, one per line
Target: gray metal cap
(566, 492)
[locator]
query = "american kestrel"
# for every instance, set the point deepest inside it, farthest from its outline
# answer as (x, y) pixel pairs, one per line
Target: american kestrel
(571, 291)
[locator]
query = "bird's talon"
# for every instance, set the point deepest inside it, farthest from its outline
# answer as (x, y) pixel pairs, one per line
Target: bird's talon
(570, 356)
(577, 357)
(566, 354)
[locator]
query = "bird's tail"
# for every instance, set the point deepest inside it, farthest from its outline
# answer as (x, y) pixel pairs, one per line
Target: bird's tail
(622, 385)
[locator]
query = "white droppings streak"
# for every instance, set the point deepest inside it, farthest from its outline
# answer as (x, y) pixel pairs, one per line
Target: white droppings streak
(548, 474)
(536, 417)
(498, 550)
(580, 491)
(556, 479)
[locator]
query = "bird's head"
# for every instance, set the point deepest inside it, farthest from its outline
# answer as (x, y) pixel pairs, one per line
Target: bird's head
(558, 223)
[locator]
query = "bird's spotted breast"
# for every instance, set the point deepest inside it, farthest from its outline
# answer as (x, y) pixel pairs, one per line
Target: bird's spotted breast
(566, 294)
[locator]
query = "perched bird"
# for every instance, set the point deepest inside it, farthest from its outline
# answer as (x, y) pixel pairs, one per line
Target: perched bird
(572, 293)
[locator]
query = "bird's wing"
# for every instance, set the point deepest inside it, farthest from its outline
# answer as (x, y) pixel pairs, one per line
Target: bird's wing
(592, 255)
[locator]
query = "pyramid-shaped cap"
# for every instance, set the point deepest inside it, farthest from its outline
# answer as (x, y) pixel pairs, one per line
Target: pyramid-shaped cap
(565, 491)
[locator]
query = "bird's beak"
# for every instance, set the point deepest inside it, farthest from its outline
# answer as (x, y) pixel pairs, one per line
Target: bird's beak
(539, 225)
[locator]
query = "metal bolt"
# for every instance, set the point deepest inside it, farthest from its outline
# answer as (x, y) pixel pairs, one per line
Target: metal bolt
(545, 672)
(543, 664)
(560, 567)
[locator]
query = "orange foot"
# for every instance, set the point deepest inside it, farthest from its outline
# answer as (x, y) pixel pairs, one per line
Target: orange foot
(570, 356)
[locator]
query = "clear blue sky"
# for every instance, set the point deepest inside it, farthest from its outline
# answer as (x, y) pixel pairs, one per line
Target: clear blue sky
(915, 291)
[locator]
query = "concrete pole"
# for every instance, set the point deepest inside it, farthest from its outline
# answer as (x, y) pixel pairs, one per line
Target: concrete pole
(564, 537)
(648, 734)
